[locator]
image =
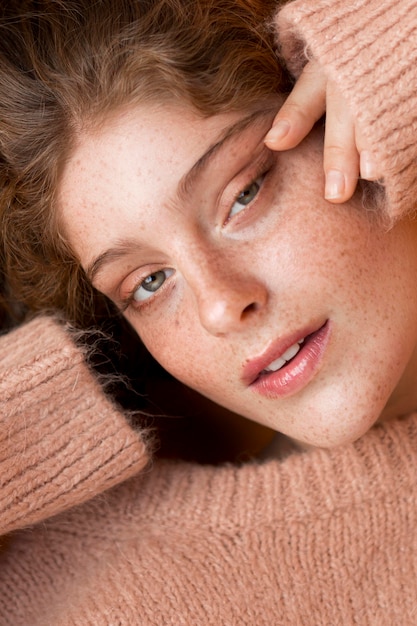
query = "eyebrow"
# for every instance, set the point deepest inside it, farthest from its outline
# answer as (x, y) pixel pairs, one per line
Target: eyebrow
(184, 188)
(188, 180)
(109, 256)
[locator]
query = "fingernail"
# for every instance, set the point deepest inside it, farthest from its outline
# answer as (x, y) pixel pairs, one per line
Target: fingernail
(278, 132)
(367, 165)
(335, 185)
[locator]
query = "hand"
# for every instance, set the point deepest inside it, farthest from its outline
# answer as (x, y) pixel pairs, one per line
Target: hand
(345, 153)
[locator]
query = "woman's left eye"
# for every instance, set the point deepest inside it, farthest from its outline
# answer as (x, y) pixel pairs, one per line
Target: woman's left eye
(245, 197)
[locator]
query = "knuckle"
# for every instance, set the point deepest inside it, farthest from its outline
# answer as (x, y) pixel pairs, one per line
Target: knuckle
(336, 151)
(299, 110)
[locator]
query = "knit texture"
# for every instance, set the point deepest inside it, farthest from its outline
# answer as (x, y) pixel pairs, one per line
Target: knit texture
(323, 537)
(369, 48)
(61, 440)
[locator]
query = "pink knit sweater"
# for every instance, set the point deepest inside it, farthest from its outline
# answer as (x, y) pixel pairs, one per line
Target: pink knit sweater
(102, 536)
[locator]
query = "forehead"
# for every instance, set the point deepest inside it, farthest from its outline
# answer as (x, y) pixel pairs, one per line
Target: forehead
(127, 142)
(137, 158)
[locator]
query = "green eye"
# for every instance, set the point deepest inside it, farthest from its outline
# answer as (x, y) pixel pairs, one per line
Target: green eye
(245, 197)
(151, 284)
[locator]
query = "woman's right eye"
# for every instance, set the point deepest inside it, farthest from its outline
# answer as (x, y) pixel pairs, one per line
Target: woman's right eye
(151, 284)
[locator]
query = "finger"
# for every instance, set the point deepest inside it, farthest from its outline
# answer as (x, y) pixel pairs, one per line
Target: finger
(369, 166)
(341, 157)
(301, 110)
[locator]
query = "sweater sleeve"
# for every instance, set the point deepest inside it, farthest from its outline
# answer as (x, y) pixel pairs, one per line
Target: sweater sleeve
(369, 48)
(61, 440)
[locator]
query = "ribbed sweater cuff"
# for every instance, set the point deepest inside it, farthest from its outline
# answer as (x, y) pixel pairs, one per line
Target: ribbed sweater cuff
(61, 440)
(369, 47)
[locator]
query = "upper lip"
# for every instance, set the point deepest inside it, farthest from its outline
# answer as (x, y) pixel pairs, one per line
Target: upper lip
(253, 367)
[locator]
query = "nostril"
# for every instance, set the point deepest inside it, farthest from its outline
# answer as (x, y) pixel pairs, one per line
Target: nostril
(250, 308)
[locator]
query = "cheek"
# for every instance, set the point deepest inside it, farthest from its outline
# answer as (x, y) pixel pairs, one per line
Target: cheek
(336, 247)
(175, 341)
(187, 351)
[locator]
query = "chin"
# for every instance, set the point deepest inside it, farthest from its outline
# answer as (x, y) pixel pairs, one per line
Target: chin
(337, 434)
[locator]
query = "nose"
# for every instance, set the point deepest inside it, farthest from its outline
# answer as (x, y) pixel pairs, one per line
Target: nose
(227, 299)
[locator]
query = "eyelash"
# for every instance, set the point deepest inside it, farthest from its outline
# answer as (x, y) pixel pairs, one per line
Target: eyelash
(257, 175)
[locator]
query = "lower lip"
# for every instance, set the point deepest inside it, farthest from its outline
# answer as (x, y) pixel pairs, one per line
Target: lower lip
(298, 372)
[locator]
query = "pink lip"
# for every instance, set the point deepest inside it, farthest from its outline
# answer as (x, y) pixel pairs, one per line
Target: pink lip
(296, 373)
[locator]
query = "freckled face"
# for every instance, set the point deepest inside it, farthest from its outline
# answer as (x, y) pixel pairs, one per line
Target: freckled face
(239, 277)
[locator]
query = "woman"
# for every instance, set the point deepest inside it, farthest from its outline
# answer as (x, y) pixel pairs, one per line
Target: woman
(223, 250)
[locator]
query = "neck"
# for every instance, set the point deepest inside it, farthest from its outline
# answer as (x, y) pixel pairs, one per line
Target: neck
(403, 400)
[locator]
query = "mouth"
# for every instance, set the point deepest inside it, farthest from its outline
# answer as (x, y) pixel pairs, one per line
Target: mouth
(288, 365)
(284, 358)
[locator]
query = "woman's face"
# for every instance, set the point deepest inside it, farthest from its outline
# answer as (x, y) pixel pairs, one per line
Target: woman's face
(239, 277)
